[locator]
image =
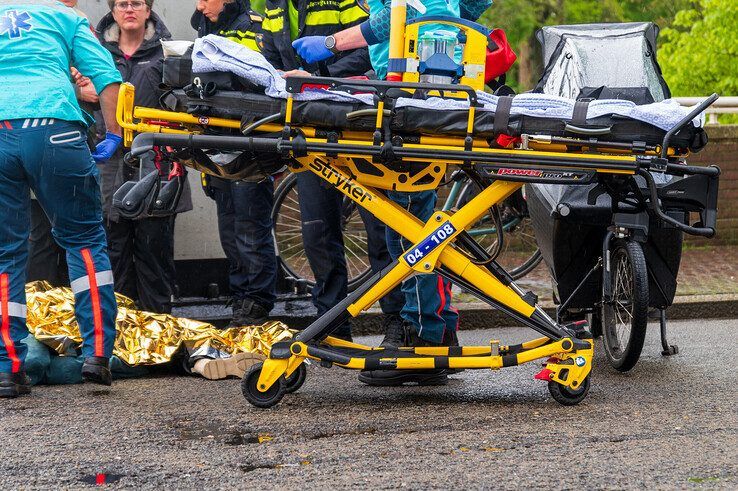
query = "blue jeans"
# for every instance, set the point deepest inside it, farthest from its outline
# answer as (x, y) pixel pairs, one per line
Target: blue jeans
(53, 159)
(245, 227)
(427, 296)
(320, 209)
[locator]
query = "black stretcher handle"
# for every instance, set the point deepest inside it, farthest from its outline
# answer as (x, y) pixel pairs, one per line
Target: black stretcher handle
(295, 85)
(654, 205)
(685, 121)
(690, 170)
(587, 131)
(147, 141)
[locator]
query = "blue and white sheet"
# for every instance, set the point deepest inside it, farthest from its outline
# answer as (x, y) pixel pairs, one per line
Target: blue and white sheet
(214, 53)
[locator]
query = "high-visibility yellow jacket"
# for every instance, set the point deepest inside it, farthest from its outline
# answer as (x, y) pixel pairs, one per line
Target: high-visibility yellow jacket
(312, 18)
(237, 22)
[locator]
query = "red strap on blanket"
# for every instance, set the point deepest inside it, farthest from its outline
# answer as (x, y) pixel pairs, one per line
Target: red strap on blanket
(507, 141)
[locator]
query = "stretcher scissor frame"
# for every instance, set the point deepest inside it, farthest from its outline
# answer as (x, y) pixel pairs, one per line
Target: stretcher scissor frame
(440, 245)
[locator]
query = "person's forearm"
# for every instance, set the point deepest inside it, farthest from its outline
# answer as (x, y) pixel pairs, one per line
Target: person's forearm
(108, 105)
(350, 38)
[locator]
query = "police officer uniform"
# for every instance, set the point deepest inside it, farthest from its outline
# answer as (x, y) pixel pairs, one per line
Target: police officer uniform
(43, 147)
(244, 207)
(320, 206)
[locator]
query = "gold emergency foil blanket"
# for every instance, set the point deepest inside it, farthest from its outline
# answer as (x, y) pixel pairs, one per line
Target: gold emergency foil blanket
(143, 338)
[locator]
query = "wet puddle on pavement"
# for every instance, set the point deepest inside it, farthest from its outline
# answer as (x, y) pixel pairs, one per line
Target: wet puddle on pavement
(189, 431)
(317, 435)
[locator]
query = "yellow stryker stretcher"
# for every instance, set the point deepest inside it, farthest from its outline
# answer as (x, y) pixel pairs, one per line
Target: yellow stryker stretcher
(360, 151)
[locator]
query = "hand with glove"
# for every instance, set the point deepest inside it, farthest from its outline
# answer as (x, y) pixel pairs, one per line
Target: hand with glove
(312, 49)
(106, 148)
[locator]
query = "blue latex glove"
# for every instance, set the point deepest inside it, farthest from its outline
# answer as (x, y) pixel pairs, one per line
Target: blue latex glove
(106, 148)
(312, 48)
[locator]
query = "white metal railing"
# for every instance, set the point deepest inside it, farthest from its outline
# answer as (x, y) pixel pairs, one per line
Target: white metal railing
(724, 105)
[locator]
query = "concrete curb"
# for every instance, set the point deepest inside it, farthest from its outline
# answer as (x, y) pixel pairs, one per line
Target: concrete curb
(482, 316)
(299, 313)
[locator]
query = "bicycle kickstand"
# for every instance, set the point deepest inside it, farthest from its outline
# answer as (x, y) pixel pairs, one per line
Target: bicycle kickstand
(668, 349)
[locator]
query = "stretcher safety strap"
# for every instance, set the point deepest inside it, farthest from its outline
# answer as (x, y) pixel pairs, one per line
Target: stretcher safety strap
(15, 310)
(83, 284)
(579, 116)
(502, 114)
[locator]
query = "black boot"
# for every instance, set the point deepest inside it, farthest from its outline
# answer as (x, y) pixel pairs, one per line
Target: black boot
(391, 378)
(395, 331)
(14, 384)
(246, 312)
(97, 369)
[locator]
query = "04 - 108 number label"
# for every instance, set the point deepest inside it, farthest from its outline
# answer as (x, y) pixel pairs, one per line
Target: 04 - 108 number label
(429, 243)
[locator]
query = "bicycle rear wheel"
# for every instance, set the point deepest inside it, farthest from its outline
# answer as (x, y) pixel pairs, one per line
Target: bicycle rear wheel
(288, 236)
(519, 254)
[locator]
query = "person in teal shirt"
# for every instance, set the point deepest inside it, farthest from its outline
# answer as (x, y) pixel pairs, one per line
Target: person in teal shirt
(43, 147)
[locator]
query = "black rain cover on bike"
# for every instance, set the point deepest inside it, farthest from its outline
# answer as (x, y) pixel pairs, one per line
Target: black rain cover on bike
(602, 61)
(598, 61)
(571, 244)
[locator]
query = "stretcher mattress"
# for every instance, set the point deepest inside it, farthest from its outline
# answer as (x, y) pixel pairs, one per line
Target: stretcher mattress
(414, 120)
(532, 114)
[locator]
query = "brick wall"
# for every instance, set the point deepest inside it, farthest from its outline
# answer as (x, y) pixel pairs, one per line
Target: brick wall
(723, 152)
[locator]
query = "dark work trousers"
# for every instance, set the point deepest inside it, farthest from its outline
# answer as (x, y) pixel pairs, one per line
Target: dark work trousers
(427, 296)
(245, 228)
(46, 259)
(142, 256)
(51, 158)
(320, 208)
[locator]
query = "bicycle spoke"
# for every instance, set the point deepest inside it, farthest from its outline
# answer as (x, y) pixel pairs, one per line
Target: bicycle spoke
(291, 208)
(357, 244)
(287, 217)
(357, 257)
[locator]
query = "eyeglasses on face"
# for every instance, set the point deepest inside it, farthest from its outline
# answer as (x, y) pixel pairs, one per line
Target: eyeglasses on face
(136, 5)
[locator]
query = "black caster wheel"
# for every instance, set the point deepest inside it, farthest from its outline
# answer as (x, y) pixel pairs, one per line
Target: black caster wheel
(295, 381)
(261, 399)
(567, 396)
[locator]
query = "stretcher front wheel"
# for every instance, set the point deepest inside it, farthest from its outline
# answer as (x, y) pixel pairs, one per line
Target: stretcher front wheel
(249, 387)
(566, 396)
(625, 316)
(295, 381)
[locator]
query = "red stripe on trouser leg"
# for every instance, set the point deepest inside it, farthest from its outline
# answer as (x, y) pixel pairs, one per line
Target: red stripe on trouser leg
(5, 329)
(441, 294)
(95, 300)
(453, 309)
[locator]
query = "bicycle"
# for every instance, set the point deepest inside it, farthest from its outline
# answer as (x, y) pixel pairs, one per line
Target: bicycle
(515, 248)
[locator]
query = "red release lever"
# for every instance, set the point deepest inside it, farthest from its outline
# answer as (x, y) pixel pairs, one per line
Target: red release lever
(544, 374)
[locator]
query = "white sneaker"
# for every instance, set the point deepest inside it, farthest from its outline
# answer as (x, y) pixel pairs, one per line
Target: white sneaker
(220, 368)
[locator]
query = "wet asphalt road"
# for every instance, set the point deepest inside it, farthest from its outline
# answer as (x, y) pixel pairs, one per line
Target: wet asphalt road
(671, 423)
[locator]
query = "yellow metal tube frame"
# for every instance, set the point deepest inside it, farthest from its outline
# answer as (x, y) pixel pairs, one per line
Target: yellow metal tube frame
(414, 230)
(332, 171)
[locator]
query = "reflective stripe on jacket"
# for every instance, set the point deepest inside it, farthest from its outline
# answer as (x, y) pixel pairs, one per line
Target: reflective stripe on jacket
(237, 22)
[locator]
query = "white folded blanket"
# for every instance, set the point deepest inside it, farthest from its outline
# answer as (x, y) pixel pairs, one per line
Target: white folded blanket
(214, 53)
(217, 54)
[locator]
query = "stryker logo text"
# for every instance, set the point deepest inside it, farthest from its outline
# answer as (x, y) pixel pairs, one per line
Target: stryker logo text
(344, 184)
